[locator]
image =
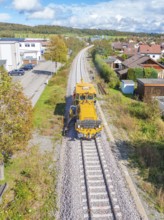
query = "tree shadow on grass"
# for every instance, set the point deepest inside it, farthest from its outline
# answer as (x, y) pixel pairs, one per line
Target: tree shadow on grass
(59, 109)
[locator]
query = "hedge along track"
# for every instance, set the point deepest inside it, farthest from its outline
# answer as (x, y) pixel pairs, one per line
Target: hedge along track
(98, 195)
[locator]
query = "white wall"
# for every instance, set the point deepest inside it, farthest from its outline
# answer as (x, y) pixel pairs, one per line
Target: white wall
(9, 51)
(153, 56)
(34, 47)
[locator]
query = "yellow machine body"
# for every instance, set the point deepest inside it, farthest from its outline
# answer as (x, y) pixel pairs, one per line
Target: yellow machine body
(84, 110)
(87, 124)
(84, 91)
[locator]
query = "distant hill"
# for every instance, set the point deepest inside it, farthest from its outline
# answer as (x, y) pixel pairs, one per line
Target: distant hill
(13, 30)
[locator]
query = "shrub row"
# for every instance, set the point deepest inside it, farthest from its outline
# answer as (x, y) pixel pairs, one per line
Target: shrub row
(134, 73)
(106, 72)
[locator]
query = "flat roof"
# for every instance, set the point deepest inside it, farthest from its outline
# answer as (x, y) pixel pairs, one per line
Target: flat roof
(151, 82)
(130, 82)
(8, 42)
(121, 72)
(11, 39)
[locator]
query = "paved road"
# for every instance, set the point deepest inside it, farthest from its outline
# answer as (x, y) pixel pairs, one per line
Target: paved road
(34, 81)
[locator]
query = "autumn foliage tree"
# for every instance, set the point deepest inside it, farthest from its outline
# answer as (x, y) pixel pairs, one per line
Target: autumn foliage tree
(56, 50)
(15, 116)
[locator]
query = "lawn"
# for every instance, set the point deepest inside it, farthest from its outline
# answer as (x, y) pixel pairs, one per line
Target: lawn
(144, 128)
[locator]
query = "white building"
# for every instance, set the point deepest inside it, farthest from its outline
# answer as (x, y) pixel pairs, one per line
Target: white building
(30, 50)
(9, 51)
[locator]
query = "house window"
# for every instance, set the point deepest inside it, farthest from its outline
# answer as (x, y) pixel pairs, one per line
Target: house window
(27, 45)
(153, 55)
(32, 45)
(20, 45)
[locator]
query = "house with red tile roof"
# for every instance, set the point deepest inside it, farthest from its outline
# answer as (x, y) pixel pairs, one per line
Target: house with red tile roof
(153, 51)
(139, 61)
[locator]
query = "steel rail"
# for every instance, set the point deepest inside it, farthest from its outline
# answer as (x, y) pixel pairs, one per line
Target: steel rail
(112, 209)
(85, 180)
(105, 180)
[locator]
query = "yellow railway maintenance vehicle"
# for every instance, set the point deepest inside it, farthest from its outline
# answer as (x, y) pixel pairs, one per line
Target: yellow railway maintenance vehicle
(84, 112)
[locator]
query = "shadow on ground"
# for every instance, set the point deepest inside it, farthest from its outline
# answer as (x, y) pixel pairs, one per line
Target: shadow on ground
(69, 125)
(42, 72)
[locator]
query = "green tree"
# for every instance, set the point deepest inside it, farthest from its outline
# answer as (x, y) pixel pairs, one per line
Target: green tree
(124, 56)
(139, 73)
(102, 47)
(57, 50)
(15, 116)
(74, 44)
(131, 74)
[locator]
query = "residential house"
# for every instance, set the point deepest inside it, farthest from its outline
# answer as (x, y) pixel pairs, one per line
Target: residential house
(139, 61)
(9, 51)
(114, 62)
(153, 51)
(131, 51)
(117, 46)
(148, 88)
(162, 49)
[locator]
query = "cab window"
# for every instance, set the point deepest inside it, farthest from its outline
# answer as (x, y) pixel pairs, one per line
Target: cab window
(90, 97)
(82, 97)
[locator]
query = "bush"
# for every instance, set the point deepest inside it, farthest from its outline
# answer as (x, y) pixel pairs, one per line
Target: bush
(150, 73)
(139, 73)
(106, 72)
(131, 74)
(135, 73)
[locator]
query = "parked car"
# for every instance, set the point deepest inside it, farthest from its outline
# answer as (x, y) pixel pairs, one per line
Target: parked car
(16, 72)
(28, 66)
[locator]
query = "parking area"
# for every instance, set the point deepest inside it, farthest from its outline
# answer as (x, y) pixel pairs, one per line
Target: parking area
(35, 80)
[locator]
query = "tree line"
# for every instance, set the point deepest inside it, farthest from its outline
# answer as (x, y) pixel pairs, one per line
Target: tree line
(8, 30)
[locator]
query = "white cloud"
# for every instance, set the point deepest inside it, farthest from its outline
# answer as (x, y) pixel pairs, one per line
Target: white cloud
(127, 15)
(46, 13)
(26, 5)
(4, 16)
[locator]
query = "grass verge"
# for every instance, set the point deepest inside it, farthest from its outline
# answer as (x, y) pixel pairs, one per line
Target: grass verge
(30, 193)
(31, 175)
(49, 110)
(144, 129)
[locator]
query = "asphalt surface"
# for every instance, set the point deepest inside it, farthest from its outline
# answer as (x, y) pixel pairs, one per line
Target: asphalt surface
(35, 80)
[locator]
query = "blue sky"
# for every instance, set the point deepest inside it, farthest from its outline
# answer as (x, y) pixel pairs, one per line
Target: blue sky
(121, 15)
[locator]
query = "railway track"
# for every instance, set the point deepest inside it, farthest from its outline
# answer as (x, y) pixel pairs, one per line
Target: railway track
(91, 181)
(98, 195)
(101, 89)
